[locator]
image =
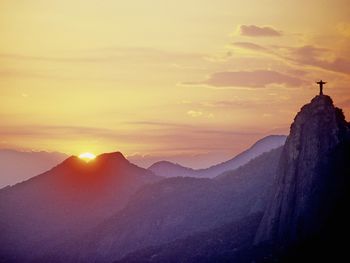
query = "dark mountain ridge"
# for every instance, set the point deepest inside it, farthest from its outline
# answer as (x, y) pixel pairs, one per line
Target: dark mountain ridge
(226, 243)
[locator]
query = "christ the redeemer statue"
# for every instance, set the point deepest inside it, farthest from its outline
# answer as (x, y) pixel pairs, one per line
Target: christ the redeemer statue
(321, 83)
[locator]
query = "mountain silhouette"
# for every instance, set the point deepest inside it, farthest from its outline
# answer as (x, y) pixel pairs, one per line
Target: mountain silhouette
(169, 169)
(306, 217)
(66, 201)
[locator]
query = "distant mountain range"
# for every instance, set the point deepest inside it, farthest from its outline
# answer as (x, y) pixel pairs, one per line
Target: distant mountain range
(168, 169)
(17, 166)
(76, 205)
(177, 207)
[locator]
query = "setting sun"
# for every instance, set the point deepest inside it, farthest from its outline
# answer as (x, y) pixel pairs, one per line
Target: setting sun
(87, 156)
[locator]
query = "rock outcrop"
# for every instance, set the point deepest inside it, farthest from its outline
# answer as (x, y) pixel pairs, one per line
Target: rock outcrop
(312, 179)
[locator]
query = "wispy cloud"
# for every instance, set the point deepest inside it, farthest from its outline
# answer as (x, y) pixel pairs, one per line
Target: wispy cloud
(110, 54)
(194, 128)
(319, 57)
(306, 55)
(194, 114)
(56, 131)
(249, 45)
(259, 31)
(159, 124)
(236, 104)
(250, 79)
(78, 65)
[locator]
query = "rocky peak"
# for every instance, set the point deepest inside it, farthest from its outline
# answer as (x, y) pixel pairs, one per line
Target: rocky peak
(311, 176)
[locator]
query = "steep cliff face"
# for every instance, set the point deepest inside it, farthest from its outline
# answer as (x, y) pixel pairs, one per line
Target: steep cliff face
(312, 179)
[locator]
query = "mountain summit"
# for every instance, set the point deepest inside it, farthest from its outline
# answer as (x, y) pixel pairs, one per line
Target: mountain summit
(312, 181)
(65, 202)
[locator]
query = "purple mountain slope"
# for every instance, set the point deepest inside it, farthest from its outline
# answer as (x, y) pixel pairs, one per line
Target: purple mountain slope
(67, 200)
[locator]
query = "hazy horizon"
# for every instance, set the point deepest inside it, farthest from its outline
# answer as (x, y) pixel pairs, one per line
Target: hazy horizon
(198, 161)
(182, 78)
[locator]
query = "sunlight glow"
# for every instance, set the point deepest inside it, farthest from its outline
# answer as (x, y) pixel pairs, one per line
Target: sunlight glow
(87, 156)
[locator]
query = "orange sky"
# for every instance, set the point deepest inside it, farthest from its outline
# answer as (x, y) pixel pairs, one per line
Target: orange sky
(165, 78)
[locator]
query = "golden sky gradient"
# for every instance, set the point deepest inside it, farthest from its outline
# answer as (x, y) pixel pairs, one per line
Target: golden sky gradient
(165, 78)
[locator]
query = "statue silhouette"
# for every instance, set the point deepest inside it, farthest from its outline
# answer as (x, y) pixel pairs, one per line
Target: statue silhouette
(321, 83)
